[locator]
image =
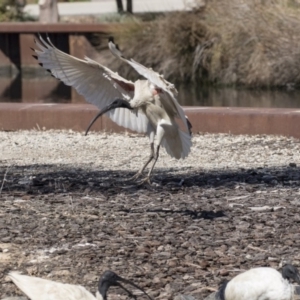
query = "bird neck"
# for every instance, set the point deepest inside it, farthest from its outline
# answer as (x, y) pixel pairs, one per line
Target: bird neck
(99, 296)
(220, 295)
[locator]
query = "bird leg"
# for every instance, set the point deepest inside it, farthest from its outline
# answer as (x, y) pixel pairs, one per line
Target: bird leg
(141, 170)
(147, 179)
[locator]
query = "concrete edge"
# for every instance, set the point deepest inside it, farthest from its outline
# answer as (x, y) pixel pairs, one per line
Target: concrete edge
(233, 120)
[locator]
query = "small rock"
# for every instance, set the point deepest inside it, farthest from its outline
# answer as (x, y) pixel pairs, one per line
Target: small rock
(224, 272)
(261, 208)
(61, 273)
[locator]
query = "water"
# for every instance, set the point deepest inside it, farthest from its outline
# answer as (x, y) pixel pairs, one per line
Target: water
(42, 88)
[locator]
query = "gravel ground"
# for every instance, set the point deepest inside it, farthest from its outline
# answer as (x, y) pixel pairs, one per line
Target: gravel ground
(68, 213)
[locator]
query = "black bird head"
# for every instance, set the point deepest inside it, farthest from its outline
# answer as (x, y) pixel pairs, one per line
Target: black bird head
(290, 272)
(116, 104)
(109, 278)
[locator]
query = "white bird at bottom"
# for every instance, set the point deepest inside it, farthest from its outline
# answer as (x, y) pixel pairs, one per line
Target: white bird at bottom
(261, 284)
(42, 289)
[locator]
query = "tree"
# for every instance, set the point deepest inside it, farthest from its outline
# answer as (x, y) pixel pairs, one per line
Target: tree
(128, 6)
(120, 6)
(48, 11)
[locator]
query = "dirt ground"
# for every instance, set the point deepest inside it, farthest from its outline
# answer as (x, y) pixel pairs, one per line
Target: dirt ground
(67, 212)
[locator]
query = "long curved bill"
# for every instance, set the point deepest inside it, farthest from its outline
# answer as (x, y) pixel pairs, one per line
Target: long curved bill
(116, 104)
(99, 114)
(133, 284)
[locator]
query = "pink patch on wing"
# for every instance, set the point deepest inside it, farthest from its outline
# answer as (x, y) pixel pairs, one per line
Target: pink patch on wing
(129, 87)
(156, 91)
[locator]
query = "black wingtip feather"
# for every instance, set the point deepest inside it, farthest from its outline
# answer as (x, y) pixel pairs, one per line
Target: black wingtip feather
(189, 125)
(111, 39)
(35, 56)
(41, 64)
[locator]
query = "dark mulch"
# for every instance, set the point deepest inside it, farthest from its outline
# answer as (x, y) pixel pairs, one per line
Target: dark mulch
(71, 224)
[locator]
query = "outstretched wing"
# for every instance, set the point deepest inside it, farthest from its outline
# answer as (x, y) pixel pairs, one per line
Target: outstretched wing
(42, 289)
(169, 100)
(96, 83)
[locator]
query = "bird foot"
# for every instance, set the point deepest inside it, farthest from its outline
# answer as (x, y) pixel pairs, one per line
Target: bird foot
(145, 180)
(135, 177)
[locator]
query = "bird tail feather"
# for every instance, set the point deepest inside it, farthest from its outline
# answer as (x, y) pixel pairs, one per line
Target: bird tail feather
(178, 146)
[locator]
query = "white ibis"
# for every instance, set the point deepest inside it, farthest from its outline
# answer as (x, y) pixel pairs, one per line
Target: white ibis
(146, 106)
(42, 289)
(261, 284)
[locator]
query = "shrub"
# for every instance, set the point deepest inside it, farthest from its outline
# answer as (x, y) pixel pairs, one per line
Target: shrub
(10, 10)
(256, 43)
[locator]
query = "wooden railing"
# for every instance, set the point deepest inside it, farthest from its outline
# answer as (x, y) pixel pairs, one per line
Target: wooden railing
(18, 66)
(16, 39)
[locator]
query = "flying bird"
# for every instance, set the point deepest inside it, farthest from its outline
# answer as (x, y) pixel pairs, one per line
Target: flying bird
(42, 289)
(261, 284)
(146, 106)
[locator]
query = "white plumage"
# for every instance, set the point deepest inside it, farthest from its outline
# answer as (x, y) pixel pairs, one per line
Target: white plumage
(42, 289)
(261, 284)
(147, 106)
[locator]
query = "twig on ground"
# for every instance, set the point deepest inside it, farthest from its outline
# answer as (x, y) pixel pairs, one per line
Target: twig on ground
(4, 179)
(256, 248)
(206, 288)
